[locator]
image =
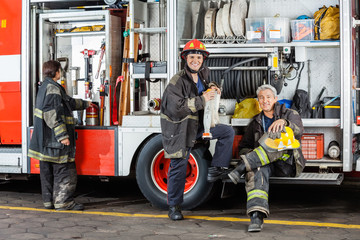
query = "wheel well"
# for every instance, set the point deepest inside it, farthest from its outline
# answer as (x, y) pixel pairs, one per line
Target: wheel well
(135, 157)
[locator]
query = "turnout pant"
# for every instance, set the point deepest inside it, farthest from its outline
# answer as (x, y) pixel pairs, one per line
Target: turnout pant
(58, 183)
(177, 170)
(260, 166)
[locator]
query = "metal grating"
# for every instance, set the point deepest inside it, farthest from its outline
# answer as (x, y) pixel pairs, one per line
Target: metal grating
(307, 178)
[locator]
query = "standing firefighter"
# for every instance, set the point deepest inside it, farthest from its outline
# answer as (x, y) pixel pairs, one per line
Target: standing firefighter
(182, 108)
(53, 140)
(270, 147)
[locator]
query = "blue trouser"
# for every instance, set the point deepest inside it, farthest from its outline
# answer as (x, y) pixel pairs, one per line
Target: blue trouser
(257, 182)
(177, 170)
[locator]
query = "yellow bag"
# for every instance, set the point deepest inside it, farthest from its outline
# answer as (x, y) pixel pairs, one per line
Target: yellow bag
(247, 108)
(327, 23)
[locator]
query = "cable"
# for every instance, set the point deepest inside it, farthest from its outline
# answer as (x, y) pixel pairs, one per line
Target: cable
(299, 76)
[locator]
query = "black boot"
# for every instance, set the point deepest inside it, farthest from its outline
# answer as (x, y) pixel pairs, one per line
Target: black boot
(216, 173)
(257, 220)
(175, 213)
(75, 206)
(236, 174)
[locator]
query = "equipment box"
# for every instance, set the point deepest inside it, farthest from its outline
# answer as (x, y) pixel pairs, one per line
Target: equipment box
(255, 30)
(302, 30)
(332, 110)
(154, 67)
(277, 30)
(312, 145)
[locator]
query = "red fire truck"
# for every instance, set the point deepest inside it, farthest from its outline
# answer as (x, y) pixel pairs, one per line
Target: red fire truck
(104, 37)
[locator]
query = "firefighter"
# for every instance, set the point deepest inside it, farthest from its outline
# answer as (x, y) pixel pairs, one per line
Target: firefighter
(270, 147)
(53, 140)
(182, 108)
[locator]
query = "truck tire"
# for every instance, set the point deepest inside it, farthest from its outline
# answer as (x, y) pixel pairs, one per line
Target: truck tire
(152, 169)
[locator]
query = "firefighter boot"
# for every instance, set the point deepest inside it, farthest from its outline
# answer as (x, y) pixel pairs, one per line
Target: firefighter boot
(175, 213)
(257, 220)
(216, 173)
(236, 174)
(75, 206)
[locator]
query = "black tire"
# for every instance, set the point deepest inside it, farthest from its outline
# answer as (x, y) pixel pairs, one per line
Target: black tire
(197, 195)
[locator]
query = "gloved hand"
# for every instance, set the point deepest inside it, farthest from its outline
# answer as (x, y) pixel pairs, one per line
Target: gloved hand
(274, 135)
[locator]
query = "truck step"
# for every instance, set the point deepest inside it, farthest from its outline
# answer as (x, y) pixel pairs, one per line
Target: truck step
(307, 178)
(10, 157)
(10, 149)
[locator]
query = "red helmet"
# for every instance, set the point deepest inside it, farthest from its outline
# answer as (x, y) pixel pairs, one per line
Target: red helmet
(194, 46)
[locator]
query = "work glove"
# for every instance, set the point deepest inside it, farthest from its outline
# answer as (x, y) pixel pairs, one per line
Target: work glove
(274, 135)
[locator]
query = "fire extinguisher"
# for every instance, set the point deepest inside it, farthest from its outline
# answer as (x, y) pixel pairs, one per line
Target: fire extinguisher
(92, 115)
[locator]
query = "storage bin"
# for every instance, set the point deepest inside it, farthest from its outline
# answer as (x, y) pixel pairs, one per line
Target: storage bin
(312, 145)
(277, 30)
(255, 30)
(155, 67)
(302, 30)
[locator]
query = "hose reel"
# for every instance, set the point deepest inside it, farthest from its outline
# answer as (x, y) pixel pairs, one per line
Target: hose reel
(242, 78)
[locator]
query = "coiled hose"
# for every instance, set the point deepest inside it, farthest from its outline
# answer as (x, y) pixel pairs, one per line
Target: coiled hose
(238, 84)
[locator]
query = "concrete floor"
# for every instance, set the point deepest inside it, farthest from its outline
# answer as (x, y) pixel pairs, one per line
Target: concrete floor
(118, 210)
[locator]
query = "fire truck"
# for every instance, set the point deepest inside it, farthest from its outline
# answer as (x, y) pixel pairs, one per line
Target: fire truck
(121, 56)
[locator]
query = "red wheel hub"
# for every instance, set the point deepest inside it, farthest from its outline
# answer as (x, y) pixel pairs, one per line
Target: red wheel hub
(160, 168)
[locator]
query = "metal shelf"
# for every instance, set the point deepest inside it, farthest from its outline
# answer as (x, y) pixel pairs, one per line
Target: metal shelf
(77, 34)
(314, 44)
(152, 75)
(321, 122)
(239, 122)
(307, 122)
(264, 47)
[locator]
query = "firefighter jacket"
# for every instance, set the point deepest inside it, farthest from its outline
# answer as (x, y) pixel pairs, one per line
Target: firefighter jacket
(53, 122)
(181, 112)
(255, 130)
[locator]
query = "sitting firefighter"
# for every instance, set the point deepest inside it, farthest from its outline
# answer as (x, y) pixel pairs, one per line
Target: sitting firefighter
(270, 147)
(182, 109)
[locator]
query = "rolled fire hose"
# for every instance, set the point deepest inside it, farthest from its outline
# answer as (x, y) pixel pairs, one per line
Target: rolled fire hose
(227, 23)
(238, 13)
(211, 115)
(209, 24)
(220, 34)
(226, 20)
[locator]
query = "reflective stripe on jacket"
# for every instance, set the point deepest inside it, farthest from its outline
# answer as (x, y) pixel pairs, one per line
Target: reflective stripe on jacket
(54, 122)
(255, 130)
(181, 110)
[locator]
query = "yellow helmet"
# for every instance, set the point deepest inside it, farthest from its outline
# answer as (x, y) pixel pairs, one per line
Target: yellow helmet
(286, 142)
